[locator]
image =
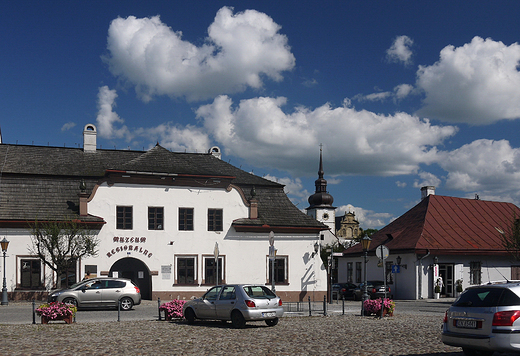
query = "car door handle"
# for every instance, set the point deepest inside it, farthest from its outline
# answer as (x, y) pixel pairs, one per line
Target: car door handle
(97, 292)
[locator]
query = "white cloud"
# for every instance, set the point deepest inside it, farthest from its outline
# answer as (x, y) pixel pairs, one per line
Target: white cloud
(107, 117)
(478, 83)
(400, 50)
(175, 137)
(400, 92)
(362, 142)
(67, 126)
(484, 166)
(294, 189)
(427, 179)
(239, 51)
(403, 90)
(368, 219)
(400, 184)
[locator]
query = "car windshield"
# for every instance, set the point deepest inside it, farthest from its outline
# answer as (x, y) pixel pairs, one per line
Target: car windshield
(487, 297)
(259, 292)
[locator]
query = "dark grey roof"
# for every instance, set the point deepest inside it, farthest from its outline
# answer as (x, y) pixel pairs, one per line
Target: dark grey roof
(38, 182)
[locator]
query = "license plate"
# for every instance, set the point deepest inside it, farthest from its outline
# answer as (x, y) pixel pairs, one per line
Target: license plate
(466, 324)
(268, 315)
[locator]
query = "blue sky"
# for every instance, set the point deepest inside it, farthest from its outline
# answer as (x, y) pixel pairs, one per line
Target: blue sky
(400, 93)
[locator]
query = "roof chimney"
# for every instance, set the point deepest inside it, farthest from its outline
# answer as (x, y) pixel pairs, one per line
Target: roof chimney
(215, 151)
(428, 190)
(89, 138)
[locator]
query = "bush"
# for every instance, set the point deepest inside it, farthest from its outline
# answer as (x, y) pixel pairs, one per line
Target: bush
(173, 309)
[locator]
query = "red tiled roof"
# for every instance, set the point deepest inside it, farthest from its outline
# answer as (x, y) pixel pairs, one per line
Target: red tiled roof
(447, 225)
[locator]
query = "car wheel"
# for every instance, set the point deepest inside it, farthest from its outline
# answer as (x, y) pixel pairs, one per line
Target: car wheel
(71, 300)
(237, 319)
(189, 314)
(271, 322)
(126, 303)
(473, 352)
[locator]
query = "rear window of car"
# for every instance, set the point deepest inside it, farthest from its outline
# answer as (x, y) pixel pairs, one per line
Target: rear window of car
(116, 284)
(259, 292)
(487, 297)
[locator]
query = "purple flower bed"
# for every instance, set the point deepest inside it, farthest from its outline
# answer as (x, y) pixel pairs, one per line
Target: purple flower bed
(173, 309)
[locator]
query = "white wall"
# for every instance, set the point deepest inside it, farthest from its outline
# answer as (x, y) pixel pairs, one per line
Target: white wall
(416, 281)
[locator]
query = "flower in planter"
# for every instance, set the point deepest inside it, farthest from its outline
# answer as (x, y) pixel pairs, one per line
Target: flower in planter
(173, 309)
(373, 306)
(56, 310)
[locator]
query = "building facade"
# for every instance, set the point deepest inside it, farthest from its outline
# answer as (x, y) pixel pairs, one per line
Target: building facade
(174, 223)
(446, 241)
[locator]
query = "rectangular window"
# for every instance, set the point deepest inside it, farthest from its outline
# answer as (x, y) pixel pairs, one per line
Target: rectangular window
(31, 274)
(186, 219)
(350, 272)
(474, 273)
(358, 272)
(124, 217)
(280, 270)
(155, 218)
(210, 269)
(214, 219)
(186, 270)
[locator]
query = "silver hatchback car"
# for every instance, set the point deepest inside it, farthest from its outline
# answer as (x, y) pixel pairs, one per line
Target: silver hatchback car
(237, 303)
(485, 319)
(100, 293)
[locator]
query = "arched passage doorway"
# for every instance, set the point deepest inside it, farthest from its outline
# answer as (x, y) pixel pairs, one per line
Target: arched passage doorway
(137, 271)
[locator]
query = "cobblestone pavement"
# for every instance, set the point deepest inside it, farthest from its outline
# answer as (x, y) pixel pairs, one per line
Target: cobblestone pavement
(318, 335)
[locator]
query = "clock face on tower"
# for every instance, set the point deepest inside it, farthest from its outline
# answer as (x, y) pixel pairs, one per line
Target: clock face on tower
(326, 216)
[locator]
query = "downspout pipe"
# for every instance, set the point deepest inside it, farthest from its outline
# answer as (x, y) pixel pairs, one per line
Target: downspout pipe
(421, 273)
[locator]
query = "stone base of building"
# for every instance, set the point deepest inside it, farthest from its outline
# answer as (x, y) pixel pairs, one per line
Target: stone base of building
(18, 296)
(303, 296)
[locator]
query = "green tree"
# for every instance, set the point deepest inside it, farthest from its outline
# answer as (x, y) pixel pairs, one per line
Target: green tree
(60, 244)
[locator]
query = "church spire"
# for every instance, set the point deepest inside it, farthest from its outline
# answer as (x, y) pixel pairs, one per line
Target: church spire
(321, 198)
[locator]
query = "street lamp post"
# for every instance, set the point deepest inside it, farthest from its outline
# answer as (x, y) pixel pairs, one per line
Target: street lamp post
(5, 300)
(365, 243)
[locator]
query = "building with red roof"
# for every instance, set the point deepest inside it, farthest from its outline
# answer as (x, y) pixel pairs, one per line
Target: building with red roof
(457, 239)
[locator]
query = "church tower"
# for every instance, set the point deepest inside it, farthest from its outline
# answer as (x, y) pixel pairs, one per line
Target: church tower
(320, 205)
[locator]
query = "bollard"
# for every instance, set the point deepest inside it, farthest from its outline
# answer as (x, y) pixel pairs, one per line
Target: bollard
(325, 305)
(34, 312)
(159, 308)
(119, 310)
(309, 305)
(343, 304)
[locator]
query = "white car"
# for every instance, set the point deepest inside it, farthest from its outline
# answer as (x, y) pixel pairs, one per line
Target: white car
(100, 293)
(485, 319)
(237, 303)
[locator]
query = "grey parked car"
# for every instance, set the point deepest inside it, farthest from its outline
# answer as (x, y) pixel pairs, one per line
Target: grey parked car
(237, 303)
(485, 319)
(100, 293)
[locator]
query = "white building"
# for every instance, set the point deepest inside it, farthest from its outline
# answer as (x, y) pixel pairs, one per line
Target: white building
(159, 217)
(456, 239)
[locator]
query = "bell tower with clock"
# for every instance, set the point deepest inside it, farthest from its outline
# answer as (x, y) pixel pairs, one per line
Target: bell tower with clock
(320, 205)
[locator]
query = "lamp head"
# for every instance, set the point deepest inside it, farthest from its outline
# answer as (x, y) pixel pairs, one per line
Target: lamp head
(4, 244)
(365, 243)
